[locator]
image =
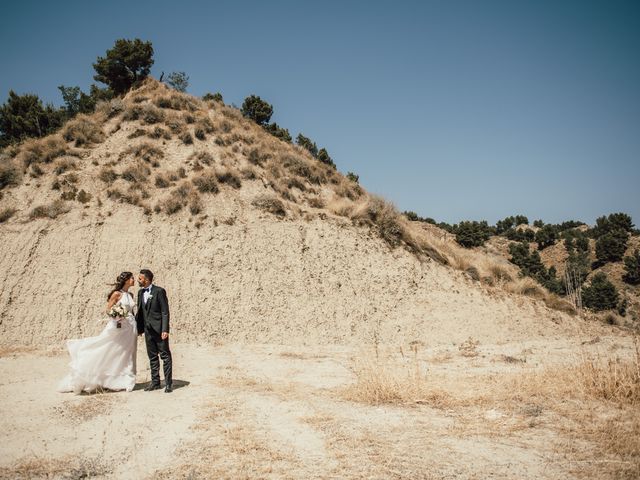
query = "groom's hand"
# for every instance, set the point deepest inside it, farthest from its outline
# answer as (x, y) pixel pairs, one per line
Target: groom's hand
(164, 335)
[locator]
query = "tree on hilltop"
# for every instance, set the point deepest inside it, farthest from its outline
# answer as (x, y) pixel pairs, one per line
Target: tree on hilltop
(124, 65)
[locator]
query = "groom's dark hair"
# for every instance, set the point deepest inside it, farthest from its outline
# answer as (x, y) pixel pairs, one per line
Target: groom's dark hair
(147, 273)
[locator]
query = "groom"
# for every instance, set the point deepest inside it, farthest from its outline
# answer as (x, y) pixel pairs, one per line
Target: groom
(152, 319)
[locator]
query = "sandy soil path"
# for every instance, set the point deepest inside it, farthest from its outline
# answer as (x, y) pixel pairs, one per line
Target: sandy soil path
(269, 411)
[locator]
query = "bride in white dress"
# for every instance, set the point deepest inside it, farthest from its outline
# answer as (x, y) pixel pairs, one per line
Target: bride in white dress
(108, 360)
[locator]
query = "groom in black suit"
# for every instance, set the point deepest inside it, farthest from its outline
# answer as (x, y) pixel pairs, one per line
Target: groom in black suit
(152, 319)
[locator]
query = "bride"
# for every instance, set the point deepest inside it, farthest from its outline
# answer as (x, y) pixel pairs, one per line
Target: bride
(108, 360)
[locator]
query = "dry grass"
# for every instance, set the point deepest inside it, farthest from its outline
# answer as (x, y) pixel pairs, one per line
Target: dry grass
(52, 210)
(83, 130)
(69, 467)
(526, 286)
(386, 379)
(42, 150)
(86, 407)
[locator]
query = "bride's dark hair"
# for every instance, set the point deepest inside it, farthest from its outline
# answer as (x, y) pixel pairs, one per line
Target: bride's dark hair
(120, 281)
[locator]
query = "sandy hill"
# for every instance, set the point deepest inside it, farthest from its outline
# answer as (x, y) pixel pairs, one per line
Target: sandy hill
(254, 239)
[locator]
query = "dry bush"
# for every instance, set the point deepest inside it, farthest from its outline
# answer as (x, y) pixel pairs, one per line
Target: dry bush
(526, 286)
(138, 132)
(348, 189)
(83, 197)
(473, 272)
(256, 157)
(148, 114)
(388, 380)
(9, 173)
(6, 214)
(384, 217)
(137, 173)
(202, 156)
(248, 173)
(270, 203)
(230, 177)
(172, 204)
(195, 203)
(162, 181)
(42, 150)
(186, 138)
(159, 132)
(83, 130)
(176, 101)
(303, 168)
(145, 151)
(108, 175)
(555, 302)
(110, 108)
(131, 197)
(57, 207)
(63, 165)
(316, 202)
(342, 207)
(206, 182)
(499, 273)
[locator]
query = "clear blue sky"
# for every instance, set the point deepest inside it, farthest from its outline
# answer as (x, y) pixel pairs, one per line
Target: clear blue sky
(454, 109)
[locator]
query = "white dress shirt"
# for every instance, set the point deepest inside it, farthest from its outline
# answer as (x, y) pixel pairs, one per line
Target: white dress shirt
(147, 294)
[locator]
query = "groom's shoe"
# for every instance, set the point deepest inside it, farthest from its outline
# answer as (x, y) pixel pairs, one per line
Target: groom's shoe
(152, 386)
(168, 389)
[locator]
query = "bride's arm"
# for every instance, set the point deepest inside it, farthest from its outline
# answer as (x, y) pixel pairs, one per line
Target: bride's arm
(115, 296)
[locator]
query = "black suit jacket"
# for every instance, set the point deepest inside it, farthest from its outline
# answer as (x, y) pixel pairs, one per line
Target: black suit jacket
(155, 314)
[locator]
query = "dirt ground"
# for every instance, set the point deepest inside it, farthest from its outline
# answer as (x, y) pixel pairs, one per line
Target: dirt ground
(270, 411)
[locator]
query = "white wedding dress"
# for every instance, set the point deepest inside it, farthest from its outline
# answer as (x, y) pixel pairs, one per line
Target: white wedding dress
(106, 361)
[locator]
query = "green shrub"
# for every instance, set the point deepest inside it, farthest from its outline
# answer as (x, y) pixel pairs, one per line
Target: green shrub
(307, 144)
(24, 116)
(632, 268)
(601, 294)
(546, 236)
(353, 177)
(472, 234)
(324, 157)
(178, 81)
(215, 97)
(256, 109)
(613, 222)
(278, 132)
(611, 246)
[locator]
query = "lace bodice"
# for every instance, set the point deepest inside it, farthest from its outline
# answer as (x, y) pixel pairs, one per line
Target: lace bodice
(127, 301)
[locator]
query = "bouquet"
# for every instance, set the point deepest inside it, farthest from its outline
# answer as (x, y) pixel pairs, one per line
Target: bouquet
(118, 311)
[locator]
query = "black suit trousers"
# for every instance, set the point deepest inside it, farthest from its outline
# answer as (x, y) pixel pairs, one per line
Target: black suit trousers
(158, 347)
